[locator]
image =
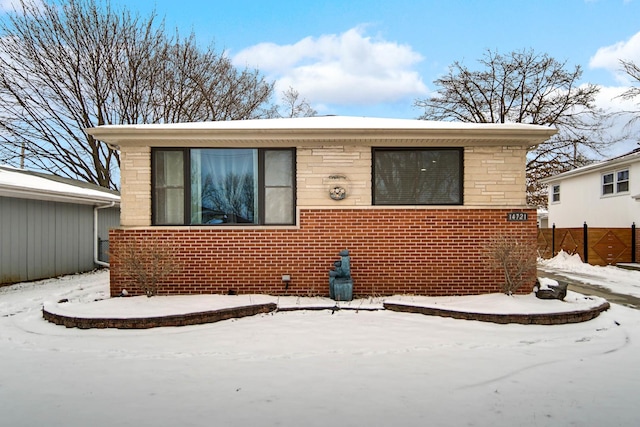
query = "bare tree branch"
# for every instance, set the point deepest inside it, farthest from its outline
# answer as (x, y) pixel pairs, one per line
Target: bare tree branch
(525, 87)
(73, 64)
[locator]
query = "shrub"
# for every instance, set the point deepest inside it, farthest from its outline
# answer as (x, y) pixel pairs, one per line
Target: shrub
(516, 258)
(147, 264)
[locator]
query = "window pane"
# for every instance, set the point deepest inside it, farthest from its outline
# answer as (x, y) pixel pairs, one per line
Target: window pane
(172, 202)
(169, 187)
(623, 181)
(277, 165)
(422, 177)
(607, 179)
(278, 187)
(607, 189)
(224, 186)
(278, 205)
(556, 193)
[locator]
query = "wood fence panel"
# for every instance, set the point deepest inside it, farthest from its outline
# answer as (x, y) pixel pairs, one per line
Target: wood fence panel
(605, 246)
(608, 246)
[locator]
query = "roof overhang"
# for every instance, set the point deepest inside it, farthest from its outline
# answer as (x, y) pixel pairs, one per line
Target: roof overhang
(20, 184)
(311, 130)
(600, 166)
(35, 194)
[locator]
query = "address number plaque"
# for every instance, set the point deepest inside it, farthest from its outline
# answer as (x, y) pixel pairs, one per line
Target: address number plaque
(517, 216)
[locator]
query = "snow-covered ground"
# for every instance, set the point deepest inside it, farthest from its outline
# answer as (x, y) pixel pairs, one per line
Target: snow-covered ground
(615, 279)
(313, 368)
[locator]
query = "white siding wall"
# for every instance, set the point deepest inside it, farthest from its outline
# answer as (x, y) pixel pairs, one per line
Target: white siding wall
(581, 201)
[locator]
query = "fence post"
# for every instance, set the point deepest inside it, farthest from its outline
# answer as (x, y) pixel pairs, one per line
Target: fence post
(633, 242)
(585, 244)
(553, 240)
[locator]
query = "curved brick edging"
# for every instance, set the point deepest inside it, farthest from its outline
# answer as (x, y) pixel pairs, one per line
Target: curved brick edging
(523, 319)
(154, 322)
(251, 310)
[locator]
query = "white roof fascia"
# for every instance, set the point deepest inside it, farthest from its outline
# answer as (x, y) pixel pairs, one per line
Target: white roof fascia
(56, 196)
(17, 184)
(313, 129)
(600, 166)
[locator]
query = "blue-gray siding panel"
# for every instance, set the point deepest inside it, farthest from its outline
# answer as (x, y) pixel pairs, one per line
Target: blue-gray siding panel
(107, 219)
(41, 239)
(13, 248)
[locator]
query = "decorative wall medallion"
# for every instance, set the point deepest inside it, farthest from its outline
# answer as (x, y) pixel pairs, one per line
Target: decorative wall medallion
(337, 193)
(337, 186)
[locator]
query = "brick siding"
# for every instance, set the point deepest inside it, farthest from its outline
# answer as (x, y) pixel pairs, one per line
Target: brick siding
(393, 251)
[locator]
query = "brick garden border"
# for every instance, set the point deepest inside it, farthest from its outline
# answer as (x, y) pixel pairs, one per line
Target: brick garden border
(252, 310)
(154, 322)
(523, 319)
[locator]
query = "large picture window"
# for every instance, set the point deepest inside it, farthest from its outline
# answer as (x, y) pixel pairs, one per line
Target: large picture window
(424, 176)
(218, 186)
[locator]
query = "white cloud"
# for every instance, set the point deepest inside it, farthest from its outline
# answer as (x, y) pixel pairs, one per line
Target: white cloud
(7, 5)
(609, 57)
(609, 98)
(14, 5)
(345, 69)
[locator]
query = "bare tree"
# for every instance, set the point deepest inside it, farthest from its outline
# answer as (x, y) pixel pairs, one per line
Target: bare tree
(633, 72)
(295, 106)
(73, 64)
(526, 87)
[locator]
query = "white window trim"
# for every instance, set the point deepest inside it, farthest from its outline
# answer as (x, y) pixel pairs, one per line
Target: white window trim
(553, 193)
(614, 183)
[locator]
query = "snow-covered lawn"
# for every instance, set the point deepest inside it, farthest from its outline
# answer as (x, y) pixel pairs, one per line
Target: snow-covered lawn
(618, 280)
(312, 368)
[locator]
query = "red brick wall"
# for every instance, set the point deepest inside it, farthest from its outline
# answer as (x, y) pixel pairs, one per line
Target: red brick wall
(408, 251)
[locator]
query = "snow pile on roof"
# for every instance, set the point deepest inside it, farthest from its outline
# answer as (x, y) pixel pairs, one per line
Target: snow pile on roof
(328, 122)
(31, 185)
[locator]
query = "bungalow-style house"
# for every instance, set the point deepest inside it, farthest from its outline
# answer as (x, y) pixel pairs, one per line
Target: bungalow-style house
(52, 226)
(265, 206)
(603, 194)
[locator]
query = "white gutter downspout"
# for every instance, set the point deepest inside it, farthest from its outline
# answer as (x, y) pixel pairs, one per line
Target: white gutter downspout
(96, 248)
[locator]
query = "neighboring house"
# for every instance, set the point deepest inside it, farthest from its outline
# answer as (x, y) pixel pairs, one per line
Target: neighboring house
(51, 226)
(265, 206)
(543, 218)
(603, 194)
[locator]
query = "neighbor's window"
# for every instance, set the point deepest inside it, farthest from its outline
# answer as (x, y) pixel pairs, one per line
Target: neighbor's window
(607, 184)
(615, 182)
(622, 181)
(555, 193)
(224, 186)
(424, 176)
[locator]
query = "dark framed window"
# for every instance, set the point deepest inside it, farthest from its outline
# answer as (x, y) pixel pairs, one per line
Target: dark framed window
(223, 186)
(417, 176)
(555, 193)
(615, 182)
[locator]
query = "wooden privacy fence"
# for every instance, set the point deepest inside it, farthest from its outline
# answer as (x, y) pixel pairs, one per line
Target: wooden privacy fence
(597, 246)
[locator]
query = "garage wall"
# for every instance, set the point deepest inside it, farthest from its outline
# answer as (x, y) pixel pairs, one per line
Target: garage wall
(42, 239)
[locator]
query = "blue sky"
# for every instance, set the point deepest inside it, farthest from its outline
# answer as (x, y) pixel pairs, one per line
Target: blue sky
(374, 58)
